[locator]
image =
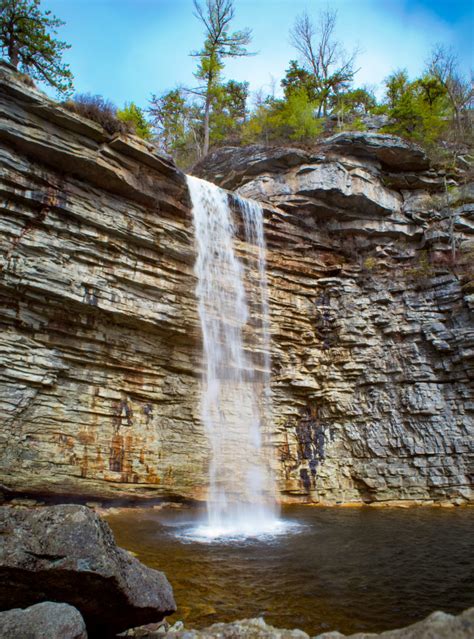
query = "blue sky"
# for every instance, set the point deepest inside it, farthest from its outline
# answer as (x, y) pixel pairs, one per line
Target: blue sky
(127, 49)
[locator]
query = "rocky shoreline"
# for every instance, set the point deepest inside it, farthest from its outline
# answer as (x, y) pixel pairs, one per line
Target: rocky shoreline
(62, 576)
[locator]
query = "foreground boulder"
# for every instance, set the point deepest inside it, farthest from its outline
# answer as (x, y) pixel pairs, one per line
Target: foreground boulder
(47, 620)
(67, 553)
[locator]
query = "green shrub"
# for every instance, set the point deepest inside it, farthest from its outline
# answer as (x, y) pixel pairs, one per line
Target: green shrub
(134, 118)
(290, 119)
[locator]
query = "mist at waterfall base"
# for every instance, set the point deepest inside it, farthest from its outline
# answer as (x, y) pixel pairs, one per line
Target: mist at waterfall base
(232, 297)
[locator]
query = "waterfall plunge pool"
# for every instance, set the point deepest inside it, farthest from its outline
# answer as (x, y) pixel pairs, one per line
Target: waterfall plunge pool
(351, 570)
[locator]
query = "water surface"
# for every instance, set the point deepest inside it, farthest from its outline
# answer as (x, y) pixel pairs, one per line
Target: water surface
(345, 569)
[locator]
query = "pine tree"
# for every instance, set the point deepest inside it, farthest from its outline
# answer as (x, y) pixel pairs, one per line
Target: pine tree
(216, 16)
(26, 39)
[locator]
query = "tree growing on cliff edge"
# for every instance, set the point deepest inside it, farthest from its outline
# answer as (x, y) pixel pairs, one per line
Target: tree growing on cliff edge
(134, 117)
(216, 16)
(176, 123)
(443, 66)
(418, 109)
(322, 56)
(26, 39)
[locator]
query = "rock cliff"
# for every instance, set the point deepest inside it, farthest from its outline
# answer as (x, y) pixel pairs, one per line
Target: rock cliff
(372, 345)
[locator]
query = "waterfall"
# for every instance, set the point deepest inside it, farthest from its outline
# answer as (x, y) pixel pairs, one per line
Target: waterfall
(235, 399)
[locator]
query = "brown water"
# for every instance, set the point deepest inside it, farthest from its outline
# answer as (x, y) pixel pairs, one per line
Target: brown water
(345, 569)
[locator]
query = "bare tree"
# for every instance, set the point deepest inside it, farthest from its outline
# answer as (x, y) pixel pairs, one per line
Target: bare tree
(444, 66)
(322, 55)
(216, 16)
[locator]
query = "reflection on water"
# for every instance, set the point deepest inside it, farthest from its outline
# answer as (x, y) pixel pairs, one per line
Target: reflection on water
(344, 569)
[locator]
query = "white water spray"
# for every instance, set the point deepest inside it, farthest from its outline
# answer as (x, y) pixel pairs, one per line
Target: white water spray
(235, 396)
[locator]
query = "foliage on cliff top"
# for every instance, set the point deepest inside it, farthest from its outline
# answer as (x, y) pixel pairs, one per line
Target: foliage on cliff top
(130, 120)
(320, 99)
(99, 110)
(134, 118)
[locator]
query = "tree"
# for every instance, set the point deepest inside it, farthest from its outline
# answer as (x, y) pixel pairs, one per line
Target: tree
(323, 56)
(297, 78)
(260, 127)
(168, 114)
(135, 118)
(419, 109)
(216, 16)
(358, 101)
(177, 123)
(26, 39)
(397, 85)
(296, 117)
(281, 120)
(353, 103)
(443, 66)
(229, 111)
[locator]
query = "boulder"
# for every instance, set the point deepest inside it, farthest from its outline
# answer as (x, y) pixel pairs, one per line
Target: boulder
(67, 553)
(244, 629)
(438, 625)
(329, 189)
(230, 167)
(391, 151)
(47, 620)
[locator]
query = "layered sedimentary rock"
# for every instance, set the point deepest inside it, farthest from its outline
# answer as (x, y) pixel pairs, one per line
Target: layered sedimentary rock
(372, 341)
(100, 339)
(372, 332)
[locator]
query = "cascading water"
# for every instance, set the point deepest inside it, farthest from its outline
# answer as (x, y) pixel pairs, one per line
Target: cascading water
(235, 395)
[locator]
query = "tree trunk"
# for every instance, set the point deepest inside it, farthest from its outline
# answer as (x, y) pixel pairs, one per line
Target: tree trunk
(207, 108)
(207, 113)
(13, 54)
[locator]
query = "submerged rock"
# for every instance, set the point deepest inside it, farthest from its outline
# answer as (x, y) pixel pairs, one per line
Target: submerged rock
(246, 628)
(47, 620)
(67, 553)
